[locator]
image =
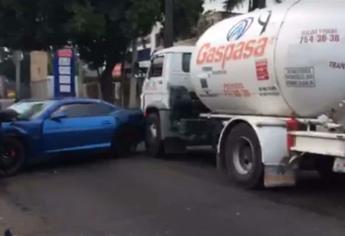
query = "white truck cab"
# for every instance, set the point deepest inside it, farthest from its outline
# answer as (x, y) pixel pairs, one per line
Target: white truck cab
(170, 104)
(169, 67)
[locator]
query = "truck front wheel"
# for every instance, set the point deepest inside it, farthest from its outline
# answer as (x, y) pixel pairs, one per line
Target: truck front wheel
(243, 156)
(153, 138)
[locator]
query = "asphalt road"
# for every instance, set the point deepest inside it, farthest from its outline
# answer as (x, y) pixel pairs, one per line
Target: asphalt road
(145, 196)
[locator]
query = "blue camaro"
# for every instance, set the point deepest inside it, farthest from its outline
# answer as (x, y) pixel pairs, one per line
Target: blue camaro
(45, 128)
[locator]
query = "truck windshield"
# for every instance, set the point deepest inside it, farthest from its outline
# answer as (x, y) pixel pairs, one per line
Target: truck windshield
(186, 57)
(30, 110)
(156, 69)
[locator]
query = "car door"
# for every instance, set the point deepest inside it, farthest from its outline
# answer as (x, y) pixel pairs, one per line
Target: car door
(85, 126)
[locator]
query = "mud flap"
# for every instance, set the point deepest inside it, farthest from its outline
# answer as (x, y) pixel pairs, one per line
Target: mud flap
(280, 176)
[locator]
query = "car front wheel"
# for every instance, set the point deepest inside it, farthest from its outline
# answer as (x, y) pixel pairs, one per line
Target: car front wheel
(124, 141)
(12, 157)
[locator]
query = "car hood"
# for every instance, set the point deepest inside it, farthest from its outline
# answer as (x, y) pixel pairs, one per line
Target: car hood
(9, 126)
(23, 127)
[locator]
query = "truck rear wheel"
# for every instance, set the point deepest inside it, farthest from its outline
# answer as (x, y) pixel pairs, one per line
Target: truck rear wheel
(243, 157)
(153, 138)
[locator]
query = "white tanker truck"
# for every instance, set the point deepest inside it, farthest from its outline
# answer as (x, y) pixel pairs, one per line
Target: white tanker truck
(265, 89)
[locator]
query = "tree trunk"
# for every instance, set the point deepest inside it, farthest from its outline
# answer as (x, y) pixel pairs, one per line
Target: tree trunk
(254, 4)
(106, 82)
(169, 24)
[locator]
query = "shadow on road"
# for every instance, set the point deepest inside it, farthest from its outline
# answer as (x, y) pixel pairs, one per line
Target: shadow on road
(196, 158)
(311, 192)
(68, 163)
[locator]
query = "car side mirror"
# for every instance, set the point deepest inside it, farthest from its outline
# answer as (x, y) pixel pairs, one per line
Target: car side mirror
(58, 116)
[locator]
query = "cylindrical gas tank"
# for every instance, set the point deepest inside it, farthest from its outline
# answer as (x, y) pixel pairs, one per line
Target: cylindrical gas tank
(285, 61)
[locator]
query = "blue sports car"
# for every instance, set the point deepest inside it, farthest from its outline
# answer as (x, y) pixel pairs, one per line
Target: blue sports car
(45, 128)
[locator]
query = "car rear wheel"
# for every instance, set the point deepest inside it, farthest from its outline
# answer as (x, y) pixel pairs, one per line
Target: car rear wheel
(12, 157)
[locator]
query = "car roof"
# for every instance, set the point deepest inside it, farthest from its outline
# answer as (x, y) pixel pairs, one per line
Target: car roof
(66, 100)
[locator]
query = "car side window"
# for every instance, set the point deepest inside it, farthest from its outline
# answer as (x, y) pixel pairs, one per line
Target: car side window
(85, 110)
(156, 69)
(99, 109)
(72, 110)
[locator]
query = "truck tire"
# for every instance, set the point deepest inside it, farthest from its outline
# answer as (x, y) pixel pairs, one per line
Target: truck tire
(243, 157)
(153, 140)
(12, 158)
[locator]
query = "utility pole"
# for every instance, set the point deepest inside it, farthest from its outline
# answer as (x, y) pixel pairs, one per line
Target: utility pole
(17, 57)
(81, 77)
(169, 23)
(133, 79)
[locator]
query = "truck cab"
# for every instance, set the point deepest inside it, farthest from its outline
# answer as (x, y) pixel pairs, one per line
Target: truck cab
(171, 107)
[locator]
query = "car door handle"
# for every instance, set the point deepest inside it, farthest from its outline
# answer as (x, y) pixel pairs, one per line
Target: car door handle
(106, 122)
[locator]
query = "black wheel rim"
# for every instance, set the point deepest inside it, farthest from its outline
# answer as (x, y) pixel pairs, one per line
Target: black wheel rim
(9, 158)
(243, 156)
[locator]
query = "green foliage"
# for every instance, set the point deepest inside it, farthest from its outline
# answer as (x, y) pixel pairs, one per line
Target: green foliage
(101, 30)
(142, 15)
(229, 5)
(186, 16)
(32, 24)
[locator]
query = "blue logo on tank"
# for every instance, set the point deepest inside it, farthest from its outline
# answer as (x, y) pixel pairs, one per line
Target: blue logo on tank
(238, 30)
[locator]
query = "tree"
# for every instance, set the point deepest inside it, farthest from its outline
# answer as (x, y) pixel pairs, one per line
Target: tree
(253, 4)
(32, 25)
(103, 29)
(186, 16)
(229, 5)
(100, 29)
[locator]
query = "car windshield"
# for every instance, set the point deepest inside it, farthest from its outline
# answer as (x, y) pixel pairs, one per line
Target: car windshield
(30, 110)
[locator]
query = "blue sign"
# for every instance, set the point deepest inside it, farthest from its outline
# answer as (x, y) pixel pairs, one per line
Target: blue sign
(64, 73)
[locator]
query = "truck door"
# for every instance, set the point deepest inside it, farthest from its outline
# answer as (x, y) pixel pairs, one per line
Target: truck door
(155, 85)
(180, 70)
